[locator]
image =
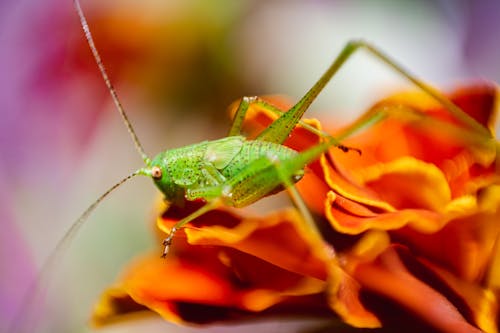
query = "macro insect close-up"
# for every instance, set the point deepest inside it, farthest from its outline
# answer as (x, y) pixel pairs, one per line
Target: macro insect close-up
(369, 198)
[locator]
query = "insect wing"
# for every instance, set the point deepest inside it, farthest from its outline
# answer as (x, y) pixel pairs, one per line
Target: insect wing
(222, 151)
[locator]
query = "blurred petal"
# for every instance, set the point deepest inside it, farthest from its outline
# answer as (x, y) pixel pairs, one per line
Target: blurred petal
(201, 288)
(479, 303)
(344, 295)
(16, 264)
(389, 278)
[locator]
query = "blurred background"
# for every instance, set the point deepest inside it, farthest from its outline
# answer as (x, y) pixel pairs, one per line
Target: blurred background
(177, 65)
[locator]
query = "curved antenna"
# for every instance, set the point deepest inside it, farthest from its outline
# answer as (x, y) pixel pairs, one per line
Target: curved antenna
(26, 307)
(112, 91)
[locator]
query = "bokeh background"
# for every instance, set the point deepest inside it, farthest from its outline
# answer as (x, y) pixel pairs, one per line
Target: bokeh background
(177, 65)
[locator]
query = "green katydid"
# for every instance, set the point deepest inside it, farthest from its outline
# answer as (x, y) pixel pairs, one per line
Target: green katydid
(237, 171)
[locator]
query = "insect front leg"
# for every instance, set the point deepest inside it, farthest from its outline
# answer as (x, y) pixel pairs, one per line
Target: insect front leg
(258, 179)
(213, 186)
(167, 242)
(212, 175)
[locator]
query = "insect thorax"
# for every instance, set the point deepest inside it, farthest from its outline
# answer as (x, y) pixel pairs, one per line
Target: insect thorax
(219, 165)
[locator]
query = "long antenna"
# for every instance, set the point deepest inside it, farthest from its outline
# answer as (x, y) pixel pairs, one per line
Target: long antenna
(26, 307)
(112, 91)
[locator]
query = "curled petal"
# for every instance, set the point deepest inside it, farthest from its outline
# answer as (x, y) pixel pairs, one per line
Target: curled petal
(407, 183)
(165, 287)
(281, 239)
(466, 245)
(345, 292)
(422, 129)
(345, 300)
(204, 288)
(349, 217)
(345, 185)
(389, 278)
(479, 304)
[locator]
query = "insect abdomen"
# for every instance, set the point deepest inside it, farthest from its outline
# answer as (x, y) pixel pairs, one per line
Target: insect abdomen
(253, 150)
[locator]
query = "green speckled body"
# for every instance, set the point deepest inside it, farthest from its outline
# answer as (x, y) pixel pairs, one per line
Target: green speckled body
(240, 171)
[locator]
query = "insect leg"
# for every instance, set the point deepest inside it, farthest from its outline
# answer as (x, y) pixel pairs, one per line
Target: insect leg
(239, 116)
(210, 172)
(259, 102)
(279, 130)
(167, 242)
(378, 113)
(212, 188)
(207, 192)
(407, 114)
(263, 177)
(284, 176)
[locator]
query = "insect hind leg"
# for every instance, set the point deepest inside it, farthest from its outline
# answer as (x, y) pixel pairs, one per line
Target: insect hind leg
(240, 114)
(279, 130)
(248, 103)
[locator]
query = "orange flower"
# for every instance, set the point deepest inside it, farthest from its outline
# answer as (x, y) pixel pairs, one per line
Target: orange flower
(434, 188)
(226, 265)
(413, 222)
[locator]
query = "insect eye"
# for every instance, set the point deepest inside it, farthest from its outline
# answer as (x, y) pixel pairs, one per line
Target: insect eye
(156, 172)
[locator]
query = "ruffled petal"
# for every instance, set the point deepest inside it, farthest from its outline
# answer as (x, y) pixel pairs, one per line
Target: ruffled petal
(345, 292)
(466, 245)
(479, 304)
(209, 285)
(281, 238)
(389, 278)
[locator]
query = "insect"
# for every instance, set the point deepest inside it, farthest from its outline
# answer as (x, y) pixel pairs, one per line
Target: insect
(236, 171)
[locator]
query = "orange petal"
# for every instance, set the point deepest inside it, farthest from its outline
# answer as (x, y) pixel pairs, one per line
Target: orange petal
(466, 245)
(344, 291)
(479, 101)
(342, 183)
(280, 238)
(205, 285)
(389, 278)
(481, 305)
(164, 286)
(461, 157)
(313, 189)
(407, 183)
(345, 299)
(349, 217)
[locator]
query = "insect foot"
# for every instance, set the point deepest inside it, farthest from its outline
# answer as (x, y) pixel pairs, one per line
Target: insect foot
(346, 149)
(168, 241)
